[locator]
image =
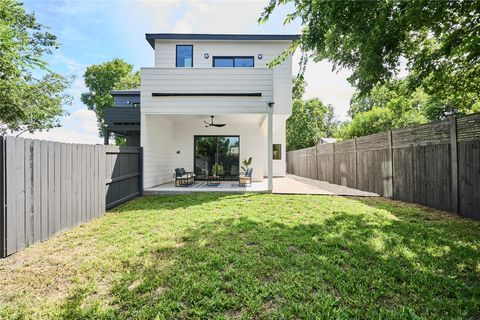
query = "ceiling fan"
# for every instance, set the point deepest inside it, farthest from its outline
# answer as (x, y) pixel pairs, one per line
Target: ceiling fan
(218, 125)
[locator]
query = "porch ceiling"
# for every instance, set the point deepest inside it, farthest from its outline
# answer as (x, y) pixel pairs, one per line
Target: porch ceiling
(219, 118)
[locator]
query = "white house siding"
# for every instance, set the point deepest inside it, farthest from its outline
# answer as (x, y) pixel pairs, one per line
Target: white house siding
(280, 88)
(279, 137)
(156, 139)
(164, 138)
(165, 51)
(211, 80)
(252, 144)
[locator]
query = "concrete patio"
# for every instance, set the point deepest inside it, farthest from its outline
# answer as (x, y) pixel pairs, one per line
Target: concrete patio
(289, 184)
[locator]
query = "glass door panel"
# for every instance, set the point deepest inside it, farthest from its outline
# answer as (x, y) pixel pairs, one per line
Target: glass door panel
(217, 155)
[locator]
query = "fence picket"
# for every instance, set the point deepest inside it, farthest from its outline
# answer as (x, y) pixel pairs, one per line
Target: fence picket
(436, 164)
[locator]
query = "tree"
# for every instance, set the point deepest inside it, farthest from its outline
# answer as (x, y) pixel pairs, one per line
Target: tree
(299, 85)
(27, 102)
(101, 79)
(439, 40)
(386, 107)
(310, 121)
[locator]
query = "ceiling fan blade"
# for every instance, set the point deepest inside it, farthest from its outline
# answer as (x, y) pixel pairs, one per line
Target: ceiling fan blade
(207, 123)
(219, 125)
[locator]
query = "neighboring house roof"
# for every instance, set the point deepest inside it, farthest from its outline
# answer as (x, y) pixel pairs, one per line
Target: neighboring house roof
(128, 92)
(327, 140)
(151, 37)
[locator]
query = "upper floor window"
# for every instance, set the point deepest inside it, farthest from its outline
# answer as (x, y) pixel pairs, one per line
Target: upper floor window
(184, 56)
(233, 62)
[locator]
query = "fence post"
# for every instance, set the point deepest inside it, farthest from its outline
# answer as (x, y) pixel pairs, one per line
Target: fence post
(3, 223)
(355, 151)
(334, 181)
(140, 170)
(454, 162)
(390, 167)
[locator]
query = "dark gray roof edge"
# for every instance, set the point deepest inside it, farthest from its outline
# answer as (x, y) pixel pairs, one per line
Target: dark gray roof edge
(129, 92)
(151, 37)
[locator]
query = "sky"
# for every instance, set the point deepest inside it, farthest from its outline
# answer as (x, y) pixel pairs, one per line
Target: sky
(92, 32)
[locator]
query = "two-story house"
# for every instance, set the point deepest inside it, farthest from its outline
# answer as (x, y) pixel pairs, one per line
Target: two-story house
(195, 77)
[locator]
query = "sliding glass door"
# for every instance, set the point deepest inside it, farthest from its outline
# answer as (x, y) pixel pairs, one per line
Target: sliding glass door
(217, 155)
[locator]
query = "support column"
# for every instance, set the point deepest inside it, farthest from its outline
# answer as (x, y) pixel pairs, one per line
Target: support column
(270, 151)
(106, 137)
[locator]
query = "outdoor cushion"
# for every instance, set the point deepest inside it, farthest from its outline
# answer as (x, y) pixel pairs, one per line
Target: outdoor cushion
(178, 172)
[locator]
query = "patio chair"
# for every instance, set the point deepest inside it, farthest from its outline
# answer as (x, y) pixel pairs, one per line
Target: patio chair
(183, 178)
(246, 179)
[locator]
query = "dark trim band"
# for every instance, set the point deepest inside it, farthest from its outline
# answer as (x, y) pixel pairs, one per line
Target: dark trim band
(203, 94)
(151, 37)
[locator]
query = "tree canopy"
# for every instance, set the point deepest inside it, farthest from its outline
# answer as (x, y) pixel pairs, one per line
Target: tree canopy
(437, 41)
(101, 79)
(310, 121)
(27, 102)
(386, 107)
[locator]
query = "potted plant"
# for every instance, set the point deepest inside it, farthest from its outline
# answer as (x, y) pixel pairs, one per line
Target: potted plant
(218, 170)
(246, 164)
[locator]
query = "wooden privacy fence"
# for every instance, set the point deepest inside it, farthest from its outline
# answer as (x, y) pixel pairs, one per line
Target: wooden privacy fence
(437, 164)
(48, 187)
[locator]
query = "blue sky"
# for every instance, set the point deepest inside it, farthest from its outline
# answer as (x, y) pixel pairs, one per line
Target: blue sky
(92, 32)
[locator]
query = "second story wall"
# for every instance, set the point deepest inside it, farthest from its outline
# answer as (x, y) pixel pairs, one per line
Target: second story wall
(275, 84)
(165, 51)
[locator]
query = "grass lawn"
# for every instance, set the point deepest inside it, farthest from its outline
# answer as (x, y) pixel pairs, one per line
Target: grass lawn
(215, 256)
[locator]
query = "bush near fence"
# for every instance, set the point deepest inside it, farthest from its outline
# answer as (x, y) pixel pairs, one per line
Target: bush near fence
(437, 164)
(48, 187)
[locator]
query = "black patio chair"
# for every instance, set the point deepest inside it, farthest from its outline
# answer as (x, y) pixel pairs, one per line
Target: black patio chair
(246, 180)
(183, 178)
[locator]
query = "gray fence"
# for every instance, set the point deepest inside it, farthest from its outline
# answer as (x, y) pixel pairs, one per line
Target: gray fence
(48, 187)
(437, 164)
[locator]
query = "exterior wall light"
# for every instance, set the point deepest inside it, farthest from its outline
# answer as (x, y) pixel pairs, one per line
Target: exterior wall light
(260, 56)
(206, 56)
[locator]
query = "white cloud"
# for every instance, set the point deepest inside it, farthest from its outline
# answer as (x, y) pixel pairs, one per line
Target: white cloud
(71, 64)
(63, 134)
(79, 127)
(85, 119)
(219, 16)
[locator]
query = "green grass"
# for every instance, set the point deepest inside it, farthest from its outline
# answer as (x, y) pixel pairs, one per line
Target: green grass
(214, 256)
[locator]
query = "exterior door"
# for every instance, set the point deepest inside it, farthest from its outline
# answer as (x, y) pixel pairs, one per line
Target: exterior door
(217, 155)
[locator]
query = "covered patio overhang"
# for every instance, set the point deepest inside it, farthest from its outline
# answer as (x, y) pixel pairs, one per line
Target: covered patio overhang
(170, 141)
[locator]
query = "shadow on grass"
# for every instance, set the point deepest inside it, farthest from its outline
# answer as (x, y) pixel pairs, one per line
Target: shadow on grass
(394, 262)
(176, 201)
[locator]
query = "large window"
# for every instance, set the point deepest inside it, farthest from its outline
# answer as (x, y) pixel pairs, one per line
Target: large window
(217, 156)
(184, 56)
(233, 62)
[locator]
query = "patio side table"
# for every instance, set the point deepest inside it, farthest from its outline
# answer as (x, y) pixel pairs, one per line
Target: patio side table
(213, 181)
